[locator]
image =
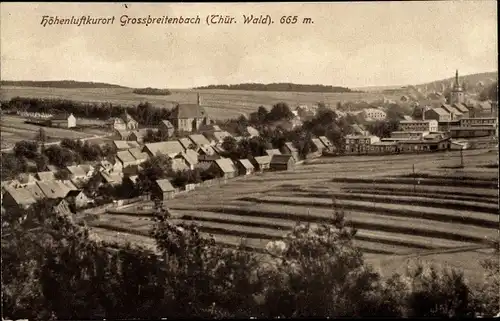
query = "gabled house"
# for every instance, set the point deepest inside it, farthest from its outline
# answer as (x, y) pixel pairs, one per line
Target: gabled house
(179, 164)
(137, 135)
(77, 199)
(225, 168)
(77, 172)
(121, 144)
(121, 134)
(166, 127)
(199, 140)
(289, 149)
(186, 143)
(112, 178)
(126, 158)
(282, 162)
(244, 167)
(63, 121)
(125, 123)
(189, 117)
(252, 132)
(53, 190)
(19, 198)
(261, 163)
(328, 144)
(219, 136)
(271, 152)
(162, 190)
(170, 148)
(61, 207)
(319, 147)
(139, 156)
(187, 160)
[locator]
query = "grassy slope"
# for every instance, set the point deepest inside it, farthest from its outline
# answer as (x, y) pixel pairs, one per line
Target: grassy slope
(219, 103)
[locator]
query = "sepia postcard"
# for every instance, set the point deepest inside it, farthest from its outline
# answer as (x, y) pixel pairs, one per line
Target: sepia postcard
(249, 160)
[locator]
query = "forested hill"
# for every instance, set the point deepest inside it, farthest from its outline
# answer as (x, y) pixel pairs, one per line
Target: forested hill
(281, 87)
(58, 84)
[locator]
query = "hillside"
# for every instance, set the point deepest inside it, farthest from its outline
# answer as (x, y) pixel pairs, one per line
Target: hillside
(281, 87)
(58, 84)
(473, 81)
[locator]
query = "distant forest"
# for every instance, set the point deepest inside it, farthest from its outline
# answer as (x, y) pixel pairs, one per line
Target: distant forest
(282, 87)
(58, 84)
(152, 91)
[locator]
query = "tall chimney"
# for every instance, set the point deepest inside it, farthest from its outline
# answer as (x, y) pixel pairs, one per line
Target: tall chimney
(198, 98)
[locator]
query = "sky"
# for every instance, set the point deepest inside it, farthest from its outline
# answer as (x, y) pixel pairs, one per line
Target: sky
(354, 44)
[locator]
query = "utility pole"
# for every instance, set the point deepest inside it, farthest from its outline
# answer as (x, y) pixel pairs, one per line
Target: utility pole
(462, 157)
(414, 180)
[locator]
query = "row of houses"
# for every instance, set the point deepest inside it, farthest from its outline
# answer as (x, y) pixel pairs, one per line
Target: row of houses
(21, 195)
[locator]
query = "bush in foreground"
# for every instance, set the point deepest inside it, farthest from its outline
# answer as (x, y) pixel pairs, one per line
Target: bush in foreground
(53, 268)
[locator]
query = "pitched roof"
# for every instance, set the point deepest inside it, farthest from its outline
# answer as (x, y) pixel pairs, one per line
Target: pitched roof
(189, 158)
(263, 159)
(121, 144)
(123, 133)
(113, 177)
(461, 107)
(165, 185)
(125, 157)
(317, 142)
(127, 118)
(192, 155)
(252, 131)
(325, 141)
(440, 111)
(170, 148)
(290, 146)
(185, 142)
(221, 135)
(246, 163)
(45, 176)
(53, 189)
(199, 140)
(281, 159)
(451, 109)
(167, 124)
(226, 165)
(137, 154)
(271, 152)
(35, 191)
(179, 165)
(188, 111)
(77, 171)
(133, 144)
(21, 196)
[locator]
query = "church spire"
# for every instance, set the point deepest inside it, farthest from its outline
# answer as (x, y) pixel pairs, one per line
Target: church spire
(457, 84)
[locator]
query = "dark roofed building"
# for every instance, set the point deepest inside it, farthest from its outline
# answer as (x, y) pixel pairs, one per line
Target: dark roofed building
(244, 167)
(189, 117)
(282, 162)
(261, 163)
(162, 190)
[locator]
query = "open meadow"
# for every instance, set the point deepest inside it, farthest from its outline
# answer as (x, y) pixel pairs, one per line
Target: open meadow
(436, 213)
(220, 104)
(14, 129)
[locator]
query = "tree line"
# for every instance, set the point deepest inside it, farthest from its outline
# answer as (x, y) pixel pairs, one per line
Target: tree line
(53, 268)
(145, 113)
(282, 87)
(152, 91)
(58, 84)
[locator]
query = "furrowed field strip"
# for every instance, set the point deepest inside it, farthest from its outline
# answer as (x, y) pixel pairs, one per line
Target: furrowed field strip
(396, 199)
(287, 225)
(362, 220)
(482, 219)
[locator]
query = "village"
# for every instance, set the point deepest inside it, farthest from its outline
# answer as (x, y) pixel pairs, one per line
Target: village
(439, 127)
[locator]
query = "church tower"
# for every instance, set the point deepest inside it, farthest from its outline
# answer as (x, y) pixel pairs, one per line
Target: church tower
(457, 95)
